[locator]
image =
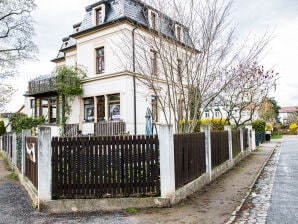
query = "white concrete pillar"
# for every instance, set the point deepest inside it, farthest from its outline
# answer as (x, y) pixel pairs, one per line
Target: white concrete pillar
(253, 140)
(206, 130)
(229, 129)
(249, 137)
(14, 150)
(25, 133)
(44, 164)
(167, 166)
(241, 139)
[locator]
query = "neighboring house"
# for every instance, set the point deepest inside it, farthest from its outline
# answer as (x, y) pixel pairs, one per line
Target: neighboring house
(286, 112)
(104, 43)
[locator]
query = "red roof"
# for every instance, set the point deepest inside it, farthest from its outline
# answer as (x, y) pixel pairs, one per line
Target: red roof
(288, 109)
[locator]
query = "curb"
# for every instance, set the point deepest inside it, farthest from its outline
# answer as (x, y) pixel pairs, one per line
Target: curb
(233, 214)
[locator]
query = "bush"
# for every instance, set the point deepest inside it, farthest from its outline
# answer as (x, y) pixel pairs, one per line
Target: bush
(293, 128)
(269, 127)
(21, 121)
(216, 124)
(2, 128)
(259, 125)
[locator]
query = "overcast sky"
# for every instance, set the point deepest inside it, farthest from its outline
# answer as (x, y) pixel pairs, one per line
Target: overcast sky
(54, 20)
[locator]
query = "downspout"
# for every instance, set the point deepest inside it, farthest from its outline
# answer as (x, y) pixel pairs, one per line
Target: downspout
(134, 80)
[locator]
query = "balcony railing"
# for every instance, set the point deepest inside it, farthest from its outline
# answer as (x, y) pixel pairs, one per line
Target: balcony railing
(41, 85)
(109, 128)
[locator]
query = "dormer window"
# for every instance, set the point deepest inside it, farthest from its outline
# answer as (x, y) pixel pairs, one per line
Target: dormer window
(99, 14)
(65, 44)
(179, 33)
(153, 19)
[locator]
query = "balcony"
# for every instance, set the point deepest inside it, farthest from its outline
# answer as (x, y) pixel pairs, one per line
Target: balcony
(43, 84)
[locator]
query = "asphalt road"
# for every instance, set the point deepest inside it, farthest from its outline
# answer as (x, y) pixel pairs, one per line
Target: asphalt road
(284, 200)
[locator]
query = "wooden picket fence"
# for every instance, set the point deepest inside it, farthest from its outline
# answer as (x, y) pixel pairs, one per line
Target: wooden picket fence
(110, 166)
(189, 157)
(219, 147)
(236, 142)
(31, 160)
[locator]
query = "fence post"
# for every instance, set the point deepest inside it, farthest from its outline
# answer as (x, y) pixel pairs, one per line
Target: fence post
(44, 164)
(14, 150)
(25, 133)
(229, 129)
(253, 140)
(249, 137)
(241, 139)
(206, 130)
(167, 166)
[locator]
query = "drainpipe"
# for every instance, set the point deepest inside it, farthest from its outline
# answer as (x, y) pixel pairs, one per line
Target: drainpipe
(134, 81)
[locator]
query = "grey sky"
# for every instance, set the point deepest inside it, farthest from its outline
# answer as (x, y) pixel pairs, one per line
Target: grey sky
(54, 20)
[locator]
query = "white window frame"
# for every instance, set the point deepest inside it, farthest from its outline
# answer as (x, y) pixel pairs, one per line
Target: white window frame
(150, 12)
(103, 9)
(181, 38)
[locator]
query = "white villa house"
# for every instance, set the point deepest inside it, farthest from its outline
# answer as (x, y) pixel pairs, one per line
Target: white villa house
(105, 43)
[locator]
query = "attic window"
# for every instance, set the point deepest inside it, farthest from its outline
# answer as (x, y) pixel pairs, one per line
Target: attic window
(179, 33)
(153, 19)
(65, 44)
(99, 14)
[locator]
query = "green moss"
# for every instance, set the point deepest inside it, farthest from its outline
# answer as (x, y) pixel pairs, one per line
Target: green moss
(131, 210)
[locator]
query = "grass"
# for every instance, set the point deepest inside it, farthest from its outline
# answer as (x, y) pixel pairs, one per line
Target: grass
(13, 176)
(276, 136)
(131, 210)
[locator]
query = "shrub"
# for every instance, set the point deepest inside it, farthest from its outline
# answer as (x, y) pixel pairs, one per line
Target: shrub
(293, 128)
(2, 128)
(269, 127)
(259, 125)
(21, 121)
(216, 124)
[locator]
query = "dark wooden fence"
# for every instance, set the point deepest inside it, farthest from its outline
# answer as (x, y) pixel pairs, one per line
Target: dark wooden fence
(236, 142)
(190, 159)
(7, 144)
(96, 167)
(245, 139)
(260, 138)
(31, 160)
(219, 147)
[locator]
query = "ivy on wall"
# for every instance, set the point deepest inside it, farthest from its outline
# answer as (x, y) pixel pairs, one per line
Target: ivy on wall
(68, 82)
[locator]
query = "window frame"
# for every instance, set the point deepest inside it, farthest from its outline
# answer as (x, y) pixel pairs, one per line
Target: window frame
(100, 60)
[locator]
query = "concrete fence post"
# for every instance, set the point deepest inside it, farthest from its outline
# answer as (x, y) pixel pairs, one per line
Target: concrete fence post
(241, 139)
(253, 140)
(14, 149)
(206, 130)
(249, 137)
(229, 129)
(167, 166)
(25, 133)
(44, 165)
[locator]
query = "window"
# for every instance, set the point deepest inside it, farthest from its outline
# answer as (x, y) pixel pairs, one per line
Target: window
(100, 60)
(101, 108)
(179, 70)
(217, 112)
(114, 106)
(153, 58)
(89, 109)
(154, 108)
(98, 16)
(153, 20)
(32, 107)
(207, 114)
(179, 33)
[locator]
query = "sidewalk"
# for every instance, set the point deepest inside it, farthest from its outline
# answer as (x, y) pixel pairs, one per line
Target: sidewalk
(214, 203)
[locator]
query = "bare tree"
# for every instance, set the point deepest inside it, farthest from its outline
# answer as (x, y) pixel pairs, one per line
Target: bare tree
(16, 45)
(246, 93)
(188, 72)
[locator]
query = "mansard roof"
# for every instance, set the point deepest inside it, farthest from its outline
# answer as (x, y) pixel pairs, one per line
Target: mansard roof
(135, 11)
